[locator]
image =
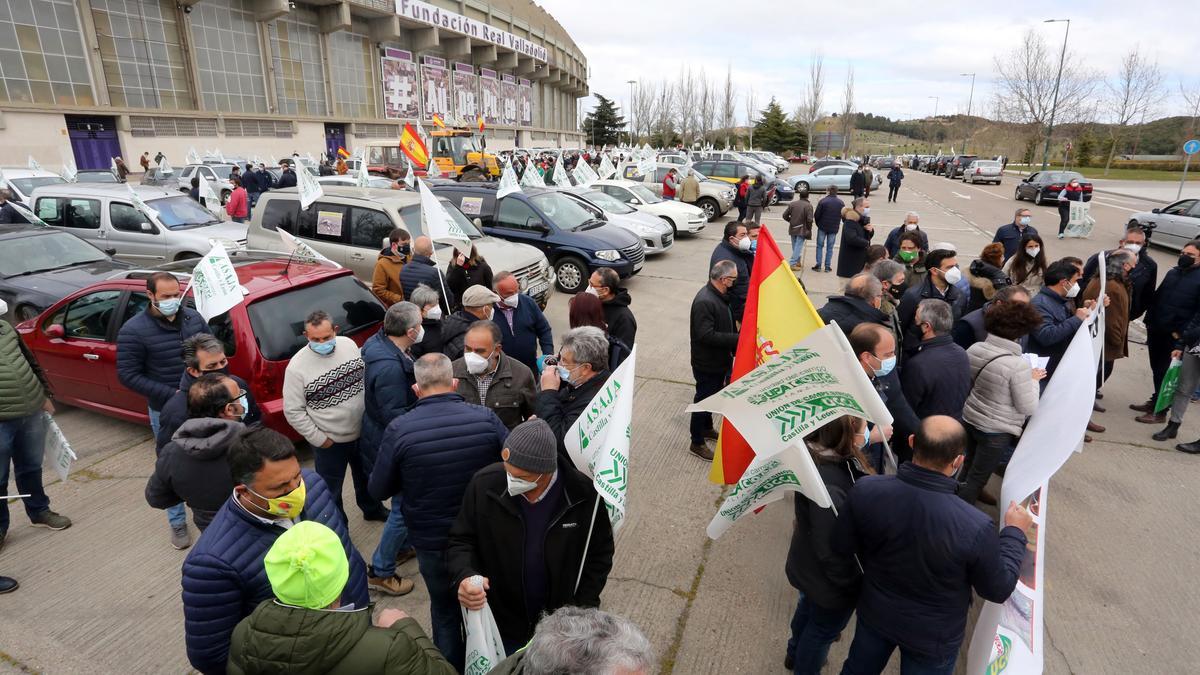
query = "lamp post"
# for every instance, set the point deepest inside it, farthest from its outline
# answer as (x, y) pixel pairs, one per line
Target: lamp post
(970, 99)
(936, 100)
(1057, 80)
(631, 83)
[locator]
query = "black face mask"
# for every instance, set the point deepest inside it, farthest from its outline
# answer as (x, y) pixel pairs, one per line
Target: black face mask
(404, 249)
(1186, 261)
(897, 292)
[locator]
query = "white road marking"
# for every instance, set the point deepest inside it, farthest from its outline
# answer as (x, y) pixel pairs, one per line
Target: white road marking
(960, 195)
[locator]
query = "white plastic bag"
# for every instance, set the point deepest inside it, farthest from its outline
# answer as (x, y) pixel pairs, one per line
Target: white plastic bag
(485, 648)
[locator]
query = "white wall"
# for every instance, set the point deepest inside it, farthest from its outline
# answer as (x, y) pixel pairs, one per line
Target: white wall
(310, 137)
(42, 135)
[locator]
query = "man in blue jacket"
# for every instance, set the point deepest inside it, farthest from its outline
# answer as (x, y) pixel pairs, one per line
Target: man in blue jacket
(429, 457)
(223, 576)
(202, 353)
(735, 248)
(1060, 319)
(919, 570)
(1010, 235)
(150, 362)
(523, 327)
(422, 270)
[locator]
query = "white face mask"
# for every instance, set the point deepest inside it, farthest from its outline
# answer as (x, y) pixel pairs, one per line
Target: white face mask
(1032, 252)
(1136, 248)
(434, 313)
(591, 290)
(419, 336)
(519, 486)
(744, 244)
(1073, 290)
(512, 300)
(476, 364)
(953, 275)
(910, 226)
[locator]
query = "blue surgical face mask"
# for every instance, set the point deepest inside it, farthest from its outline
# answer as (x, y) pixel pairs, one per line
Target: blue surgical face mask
(322, 348)
(245, 403)
(564, 374)
(885, 366)
(169, 306)
(754, 246)
(866, 434)
(1024, 220)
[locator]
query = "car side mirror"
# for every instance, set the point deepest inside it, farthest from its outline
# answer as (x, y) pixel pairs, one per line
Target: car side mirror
(478, 223)
(56, 331)
(535, 224)
(110, 251)
(1155, 210)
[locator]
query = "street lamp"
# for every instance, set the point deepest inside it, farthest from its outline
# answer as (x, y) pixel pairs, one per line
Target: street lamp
(631, 83)
(1057, 81)
(970, 99)
(936, 100)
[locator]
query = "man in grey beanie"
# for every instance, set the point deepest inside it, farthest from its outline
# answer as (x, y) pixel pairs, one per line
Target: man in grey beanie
(524, 527)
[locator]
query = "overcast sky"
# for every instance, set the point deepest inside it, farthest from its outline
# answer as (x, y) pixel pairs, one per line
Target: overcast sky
(901, 52)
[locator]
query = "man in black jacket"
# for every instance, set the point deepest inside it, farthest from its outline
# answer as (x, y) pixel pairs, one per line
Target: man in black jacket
(828, 219)
(939, 283)
(969, 329)
(937, 378)
(1175, 303)
(523, 528)
(287, 176)
(919, 571)
(422, 270)
(202, 353)
(875, 349)
(859, 303)
(714, 339)
(605, 284)
(577, 376)
(735, 248)
(858, 182)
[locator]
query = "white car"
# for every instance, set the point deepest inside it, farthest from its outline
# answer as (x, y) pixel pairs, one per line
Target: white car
(678, 160)
(22, 182)
(656, 235)
(770, 158)
(681, 217)
(351, 181)
(217, 176)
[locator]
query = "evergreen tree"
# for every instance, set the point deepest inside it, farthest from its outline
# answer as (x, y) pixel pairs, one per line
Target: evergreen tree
(773, 131)
(1085, 148)
(603, 125)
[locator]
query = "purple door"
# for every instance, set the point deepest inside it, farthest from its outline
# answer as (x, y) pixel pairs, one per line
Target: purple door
(335, 137)
(93, 140)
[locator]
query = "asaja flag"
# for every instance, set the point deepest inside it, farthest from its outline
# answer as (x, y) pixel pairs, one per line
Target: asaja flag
(584, 174)
(208, 196)
(607, 170)
(300, 250)
(437, 222)
(766, 480)
(508, 182)
(215, 283)
(310, 190)
(193, 157)
(165, 168)
(532, 177)
(409, 179)
(413, 147)
(112, 166)
(33, 164)
(362, 179)
(560, 173)
(598, 441)
(137, 201)
(69, 173)
(58, 449)
(778, 314)
(26, 212)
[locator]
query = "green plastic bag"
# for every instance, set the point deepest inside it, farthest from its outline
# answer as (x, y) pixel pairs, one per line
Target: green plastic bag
(1170, 382)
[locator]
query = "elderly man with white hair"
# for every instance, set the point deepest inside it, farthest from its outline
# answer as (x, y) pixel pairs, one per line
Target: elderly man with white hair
(912, 223)
(582, 641)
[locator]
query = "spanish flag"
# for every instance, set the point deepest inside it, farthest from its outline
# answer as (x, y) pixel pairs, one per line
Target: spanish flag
(778, 315)
(343, 153)
(413, 147)
(438, 121)
(479, 120)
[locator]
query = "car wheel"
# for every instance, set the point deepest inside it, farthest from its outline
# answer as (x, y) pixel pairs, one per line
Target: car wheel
(774, 199)
(1017, 194)
(710, 208)
(26, 312)
(572, 274)
(674, 230)
(1037, 197)
(225, 194)
(801, 185)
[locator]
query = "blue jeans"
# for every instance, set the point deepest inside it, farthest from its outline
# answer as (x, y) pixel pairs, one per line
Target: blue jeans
(176, 515)
(445, 613)
(797, 249)
(331, 464)
(825, 242)
(870, 652)
(393, 540)
(22, 444)
(814, 628)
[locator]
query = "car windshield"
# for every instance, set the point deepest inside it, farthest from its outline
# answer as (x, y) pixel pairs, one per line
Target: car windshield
(699, 176)
(644, 194)
(608, 202)
(411, 215)
(566, 213)
(278, 321)
(42, 253)
(27, 185)
(385, 155)
(181, 213)
(221, 171)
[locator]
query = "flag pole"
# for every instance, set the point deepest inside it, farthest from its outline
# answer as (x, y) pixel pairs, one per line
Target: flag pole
(437, 265)
(588, 542)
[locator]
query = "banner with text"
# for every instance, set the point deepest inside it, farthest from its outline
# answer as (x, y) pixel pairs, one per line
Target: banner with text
(215, 283)
(766, 480)
(435, 85)
(489, 97)
(401, 93)
(466, 92)
(525, 102)
(598, 441)
(508, 98)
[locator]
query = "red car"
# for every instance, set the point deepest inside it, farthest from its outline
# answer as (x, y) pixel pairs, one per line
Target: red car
(75, 339)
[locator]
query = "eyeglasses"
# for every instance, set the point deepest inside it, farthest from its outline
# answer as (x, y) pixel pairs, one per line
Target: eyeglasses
(240, 394)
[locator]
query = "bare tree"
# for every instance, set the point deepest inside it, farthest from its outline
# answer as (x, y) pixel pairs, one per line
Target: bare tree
(728, 106)
(1136, 90)
(1191, 97)
(708, 107)
(1025, 85)
(751, 111)
(847, 122)
(645, 107)
(665, 107)
(808, 113)
(685, 104)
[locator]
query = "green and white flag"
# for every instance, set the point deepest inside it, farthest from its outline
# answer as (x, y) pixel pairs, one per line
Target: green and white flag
(26, 212)
(410, 179)
(766, 480)
(361, 178)
(560, 172)
(112, 166)
(193, 157)
(438, 223)
(58, 449)
(583, 174)
(299, 250)
(220, 157)
(508, 182)
(607, 170)
(532, 177)
(208, 196)
(310, 189)
(165, 168)
(141, 205)
(598, 441)
(69, 172)
(215, 283)
(33, 164)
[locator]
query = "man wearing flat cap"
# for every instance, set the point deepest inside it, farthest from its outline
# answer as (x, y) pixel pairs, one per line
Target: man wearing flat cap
(524, 527)
(478, 304)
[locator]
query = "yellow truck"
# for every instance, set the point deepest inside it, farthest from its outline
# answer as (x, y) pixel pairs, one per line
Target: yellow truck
(457, 151)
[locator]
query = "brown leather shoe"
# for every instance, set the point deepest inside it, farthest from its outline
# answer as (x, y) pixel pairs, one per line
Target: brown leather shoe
(1094, 428)
(393, 585)
(1152, 418)
(1147, 407)
(1087, 439)
(711, 435)
(702, 451)
(1096, 407)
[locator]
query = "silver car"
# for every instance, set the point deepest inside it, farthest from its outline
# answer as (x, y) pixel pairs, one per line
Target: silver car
(656, 235)
(983, 171)
(1174, 225)
(716, 197)
(217, 176)
(819, 180)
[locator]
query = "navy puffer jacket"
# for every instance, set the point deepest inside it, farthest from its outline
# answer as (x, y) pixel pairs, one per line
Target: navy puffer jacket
(150, 353)
(224, 578)
(429, 455)
(421, 270)
(389, 393)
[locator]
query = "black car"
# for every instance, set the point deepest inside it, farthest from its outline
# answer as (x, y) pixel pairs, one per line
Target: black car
(955, 165)
(574, 240)
(41, 265)
(1043, 187)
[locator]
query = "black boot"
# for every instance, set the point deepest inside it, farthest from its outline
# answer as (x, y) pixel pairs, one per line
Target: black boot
(1171, 431)
(1192, 448)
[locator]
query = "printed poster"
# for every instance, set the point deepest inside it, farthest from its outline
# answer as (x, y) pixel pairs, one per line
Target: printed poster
(466, 93)
(435, 83)
(508, 100)
(471, 206)
(525, 102)
(489, 97)
(401, 94)
(329, 223)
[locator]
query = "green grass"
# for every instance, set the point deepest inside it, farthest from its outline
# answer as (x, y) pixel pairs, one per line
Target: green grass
(1122, 174)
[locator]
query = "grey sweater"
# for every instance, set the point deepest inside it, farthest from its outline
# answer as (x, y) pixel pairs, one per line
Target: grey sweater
(323, 396)
(1004, 393)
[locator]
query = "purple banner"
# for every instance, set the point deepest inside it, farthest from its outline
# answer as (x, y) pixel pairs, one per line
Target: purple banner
(490, 97)
(466, 93)
(435, 84)
(525, 102)
(401, 93)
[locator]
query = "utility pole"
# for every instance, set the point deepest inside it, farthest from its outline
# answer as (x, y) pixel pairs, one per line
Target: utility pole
(631, 105)
(936, 100)
(970, 99)
(1057, 80)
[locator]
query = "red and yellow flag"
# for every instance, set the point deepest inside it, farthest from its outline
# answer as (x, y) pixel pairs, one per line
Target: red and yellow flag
(343, 153)
(438, 121)
(479, 119)
(413, 147)
(778, 315)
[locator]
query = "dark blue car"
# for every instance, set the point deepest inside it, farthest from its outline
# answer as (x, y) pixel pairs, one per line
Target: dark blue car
(573, 239)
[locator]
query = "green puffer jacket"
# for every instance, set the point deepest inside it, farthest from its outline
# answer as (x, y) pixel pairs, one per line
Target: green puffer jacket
(21, 392)
(277, 640)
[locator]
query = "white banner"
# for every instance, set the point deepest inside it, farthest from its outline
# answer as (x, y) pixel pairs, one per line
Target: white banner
(208, 196)
(598, 441)
(69, 172)
(215, 284)
(137, 201)
(1079, 220)
(58, 449)
(584, 175)
(560, 172)
(484, 646)
(310, 190)
(805, 387)
(33, 164)
(508, 182)
(532, 177)
(647, 165)
(164, 167)
(192, 157)
(361, 178)
(607, 170)
(1008, 637)
(300, 250)
(766, 480)
(26, 212)
(410, 179)
(438, 224)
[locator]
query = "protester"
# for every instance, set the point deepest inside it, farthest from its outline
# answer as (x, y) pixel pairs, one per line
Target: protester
(287, 176)
(739, 197)
(427, 300)
(422, 270)
(194, 191)
(122, 169)
(985, 276)
(489, 377)
(202, 353)
(1004, 392)
(582, 640)
(425, 463)
(193, 467)
(735, 247)
(756, 201)
(1188, 352)
(891, 276)
(875, 254)
(670, 184)
(1011, 234)
(1118, 265)
(910, 254)
(858, 182)
(856, 237)
(341, 167)
(238, 205)
(580, 371)
(860, 302)
(868, 180)
(1072, 192)
(919, 572)
(521, 322)
(895, 176)
(1174, 305)
(323, 400)
(875, 351)
(943, 274)
(1141, 279)
(714, 340)
(465, 271)
(828, 218)
(1028, 267)
(937, 378)
(8, 213)
(970, 328)
(912, 221)
(308, 570)
(1059, 319)
(479, 304)
(250, 181)
(149, 363)
(828, 583)
(145, 161)
(511, 531)
(606, 285)
(689, 189)
(223, 575)
(585, 309)
(799, 217)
